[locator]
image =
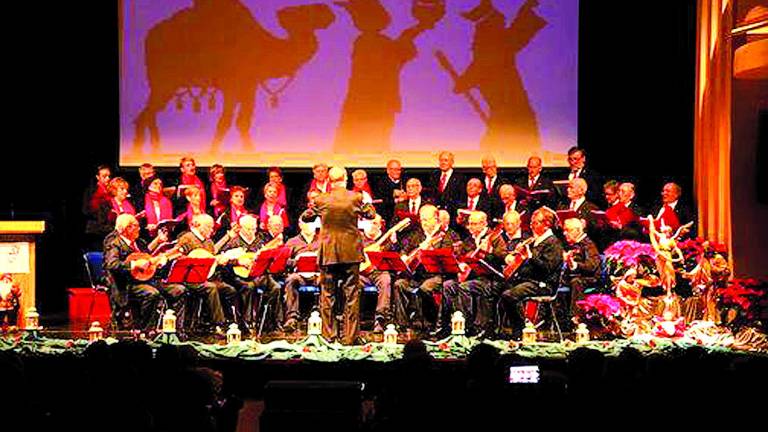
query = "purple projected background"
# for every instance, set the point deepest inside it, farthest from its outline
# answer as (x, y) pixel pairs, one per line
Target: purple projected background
(301, 129)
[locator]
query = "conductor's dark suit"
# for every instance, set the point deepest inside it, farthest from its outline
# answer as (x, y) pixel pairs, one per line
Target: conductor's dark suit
(340, 255)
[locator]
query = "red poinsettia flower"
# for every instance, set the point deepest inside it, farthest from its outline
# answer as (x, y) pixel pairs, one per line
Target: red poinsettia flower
(367, 348)
(307, 348)
(443, 346)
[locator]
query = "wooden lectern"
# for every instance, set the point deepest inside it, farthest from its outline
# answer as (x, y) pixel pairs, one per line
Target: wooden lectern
(17, 256)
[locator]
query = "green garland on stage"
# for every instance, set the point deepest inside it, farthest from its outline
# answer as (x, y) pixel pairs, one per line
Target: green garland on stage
(315, 348)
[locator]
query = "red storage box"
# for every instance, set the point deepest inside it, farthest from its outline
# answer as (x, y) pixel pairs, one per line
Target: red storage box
(80, 300)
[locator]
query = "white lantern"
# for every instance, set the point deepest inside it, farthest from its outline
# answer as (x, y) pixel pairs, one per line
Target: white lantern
(529, 333)
(233, 334)
(582, 333)
(390, 335)
(32, 319)
(315, 325)
(457, 323)
(169, 321)
(95, 332)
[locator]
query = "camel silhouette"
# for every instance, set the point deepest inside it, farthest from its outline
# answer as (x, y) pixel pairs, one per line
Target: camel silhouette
(217, 45)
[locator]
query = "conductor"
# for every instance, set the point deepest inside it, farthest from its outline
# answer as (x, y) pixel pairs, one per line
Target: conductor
(341, 252)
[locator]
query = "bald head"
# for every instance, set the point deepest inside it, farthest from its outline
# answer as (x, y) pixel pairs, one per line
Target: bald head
(337, 175)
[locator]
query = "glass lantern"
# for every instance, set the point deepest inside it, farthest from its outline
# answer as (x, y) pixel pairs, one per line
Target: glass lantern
(32, 319)
(233, 334)
(95, 332)
(582, 333)
(315, 325)
(529, 333)
(390, 335)
(457, 323)
(169, 321)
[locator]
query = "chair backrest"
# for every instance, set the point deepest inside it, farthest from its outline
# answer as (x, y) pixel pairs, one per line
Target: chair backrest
(94, 266)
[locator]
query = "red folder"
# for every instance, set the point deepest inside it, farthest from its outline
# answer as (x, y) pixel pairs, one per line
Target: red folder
(387, 261)
(439, 261)
(190, 270)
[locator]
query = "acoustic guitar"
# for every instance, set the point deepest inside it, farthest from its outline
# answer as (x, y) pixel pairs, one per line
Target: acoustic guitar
(511, 268)
(488, 238)
(246, 260)
(366, 266)
(150, 264)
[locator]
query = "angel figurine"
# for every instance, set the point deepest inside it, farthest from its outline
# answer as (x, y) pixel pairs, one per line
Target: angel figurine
(667, 251)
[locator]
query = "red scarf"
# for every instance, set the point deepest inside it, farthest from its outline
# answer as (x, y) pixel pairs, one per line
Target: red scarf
(236, 213)
(166, 209)
(217, 194)
(125, 207)
(313, 186)
(366, 188)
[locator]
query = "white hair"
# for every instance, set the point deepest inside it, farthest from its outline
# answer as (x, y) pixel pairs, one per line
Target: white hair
(123, 220)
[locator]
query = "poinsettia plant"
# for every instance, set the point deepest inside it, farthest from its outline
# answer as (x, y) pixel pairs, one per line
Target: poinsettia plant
(628, 253)
(601, 313)
(742, 299)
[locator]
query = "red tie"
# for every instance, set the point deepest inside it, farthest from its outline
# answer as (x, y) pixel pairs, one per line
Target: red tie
(488, 184)
(471, 204)
(413, 207)
(531, 183)
(135, 247)
(443, 179)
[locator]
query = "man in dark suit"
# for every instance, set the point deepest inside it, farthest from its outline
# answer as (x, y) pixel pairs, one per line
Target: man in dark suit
(577, 189)
(118, 245)
(484, 244)
(491, 180)
(671, 211)
(341, 252)
(476, 201)
(413, 202)
(577, 161)
(250, 240)
(539, 273)
(582, 261)
(447, 186)
(411, 287)
(390, 189)
(536, 181)
(303, 243)
(507, 201)
(219, 296)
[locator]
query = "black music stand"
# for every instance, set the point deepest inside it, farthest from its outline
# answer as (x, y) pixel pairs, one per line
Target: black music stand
(190, 270)
(480, 267)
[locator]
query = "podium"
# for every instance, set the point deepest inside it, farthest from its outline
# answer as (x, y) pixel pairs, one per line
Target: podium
(17, 256)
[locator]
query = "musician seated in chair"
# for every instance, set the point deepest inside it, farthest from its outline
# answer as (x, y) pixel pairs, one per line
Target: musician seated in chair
(539, 272)
(582, 261)
(381, 279)
(238, 275)
(428, 235)
(305, 243)
(122, 265)
(219, 296)
(481, 244)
